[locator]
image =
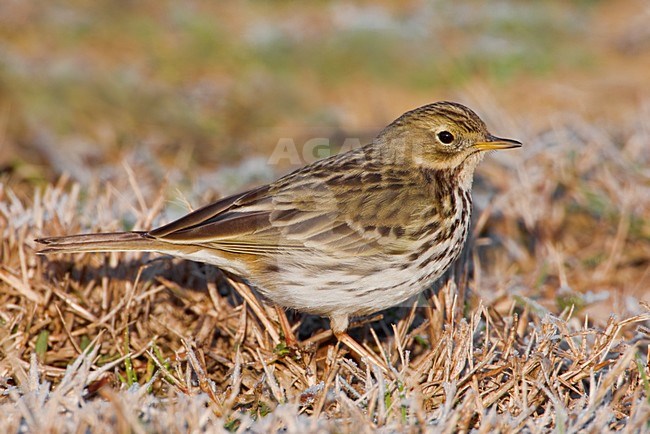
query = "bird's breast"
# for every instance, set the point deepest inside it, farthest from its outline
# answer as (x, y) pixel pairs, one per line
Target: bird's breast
(322, 283)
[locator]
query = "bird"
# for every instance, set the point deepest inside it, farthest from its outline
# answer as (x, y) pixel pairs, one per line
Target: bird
(345, 236)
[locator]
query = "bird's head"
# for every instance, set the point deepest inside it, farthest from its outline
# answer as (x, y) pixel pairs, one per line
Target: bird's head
(439, 136)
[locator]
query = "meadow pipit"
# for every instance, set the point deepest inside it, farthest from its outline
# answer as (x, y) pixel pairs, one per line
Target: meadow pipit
(344, 236)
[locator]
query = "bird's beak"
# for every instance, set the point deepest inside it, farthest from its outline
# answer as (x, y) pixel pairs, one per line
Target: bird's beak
(493, 143)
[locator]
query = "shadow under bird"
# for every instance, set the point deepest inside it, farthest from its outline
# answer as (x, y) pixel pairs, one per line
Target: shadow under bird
(347, 235)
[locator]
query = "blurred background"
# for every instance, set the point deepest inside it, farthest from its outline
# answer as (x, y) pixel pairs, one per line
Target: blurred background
(213, 84)
(192, 99)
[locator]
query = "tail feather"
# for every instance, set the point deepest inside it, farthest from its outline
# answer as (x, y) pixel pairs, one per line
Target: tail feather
(104, 242)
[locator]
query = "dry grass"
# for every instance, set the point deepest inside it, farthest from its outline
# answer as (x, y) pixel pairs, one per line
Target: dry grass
(518, 338)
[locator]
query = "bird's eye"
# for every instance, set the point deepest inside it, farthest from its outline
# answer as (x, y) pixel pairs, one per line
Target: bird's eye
(445, 137)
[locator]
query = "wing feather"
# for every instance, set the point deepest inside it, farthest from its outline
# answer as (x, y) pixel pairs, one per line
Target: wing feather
(310, 213)
(206, 214)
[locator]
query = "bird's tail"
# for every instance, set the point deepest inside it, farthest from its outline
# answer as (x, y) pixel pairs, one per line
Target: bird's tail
(106, 242)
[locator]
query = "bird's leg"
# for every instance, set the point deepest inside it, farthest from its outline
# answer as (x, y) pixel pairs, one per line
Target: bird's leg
(339, 325)
(289, 337)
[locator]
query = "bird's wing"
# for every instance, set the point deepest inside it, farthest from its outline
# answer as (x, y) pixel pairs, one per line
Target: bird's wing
(344, 213)
(212, 213)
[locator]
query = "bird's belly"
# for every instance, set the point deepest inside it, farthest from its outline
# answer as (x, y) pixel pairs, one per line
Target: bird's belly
(361, 286)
